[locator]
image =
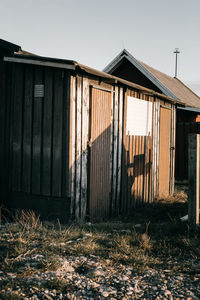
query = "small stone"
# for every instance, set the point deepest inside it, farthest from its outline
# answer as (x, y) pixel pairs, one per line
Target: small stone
(48, 297)
(125, 278)
(105, 294)
(167, 293)
(98, 272)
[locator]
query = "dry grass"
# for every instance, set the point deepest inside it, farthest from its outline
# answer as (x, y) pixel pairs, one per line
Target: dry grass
(160, 240)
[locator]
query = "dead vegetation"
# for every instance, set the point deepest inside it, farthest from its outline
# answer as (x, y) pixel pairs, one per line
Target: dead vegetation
(153, 236)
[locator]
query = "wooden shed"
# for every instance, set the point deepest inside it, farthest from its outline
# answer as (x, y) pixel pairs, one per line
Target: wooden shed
(129, 68)
(80, 143)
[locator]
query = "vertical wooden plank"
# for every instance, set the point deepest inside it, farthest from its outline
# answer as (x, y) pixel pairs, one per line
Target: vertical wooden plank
(124, 173)
(67, 133)
(3, 137)
(57, 134)
(194, 177)
(47, 132)
(142, 170)
(85, 130)
(27, 129)
(156, 130)
(184, 167)
(120, 120)
(115, 150)
(112, 120)
(37, 136)
(72, 162)
(78, 145)
(17, 129)
(151, 198)
(9, 123)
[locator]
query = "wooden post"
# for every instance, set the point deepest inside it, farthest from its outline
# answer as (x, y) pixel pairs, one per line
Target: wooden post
(194, 177)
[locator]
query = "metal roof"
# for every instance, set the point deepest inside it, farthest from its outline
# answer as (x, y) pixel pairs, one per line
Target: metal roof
(171, 87)
(75, 66)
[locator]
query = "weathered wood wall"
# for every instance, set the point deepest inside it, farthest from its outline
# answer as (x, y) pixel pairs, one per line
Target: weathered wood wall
(45, 142)
(182, 133)
(39, 135)
(5, 96)
(155, 148)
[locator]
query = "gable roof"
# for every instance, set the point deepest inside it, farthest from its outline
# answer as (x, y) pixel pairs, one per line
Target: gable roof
(169, 86)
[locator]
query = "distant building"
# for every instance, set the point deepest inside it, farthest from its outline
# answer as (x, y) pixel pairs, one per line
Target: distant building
(127, 67)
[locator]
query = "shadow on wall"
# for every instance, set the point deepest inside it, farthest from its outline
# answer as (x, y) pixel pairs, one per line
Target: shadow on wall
(127, 186)
(108, 193)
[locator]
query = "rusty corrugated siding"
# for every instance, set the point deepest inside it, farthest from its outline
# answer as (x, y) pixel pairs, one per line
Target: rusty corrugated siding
(136, 170)
(100, 153)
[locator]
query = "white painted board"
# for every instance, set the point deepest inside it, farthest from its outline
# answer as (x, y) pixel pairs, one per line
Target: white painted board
(139, 117)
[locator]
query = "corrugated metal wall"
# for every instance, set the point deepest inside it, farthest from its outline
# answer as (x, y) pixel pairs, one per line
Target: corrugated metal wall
(40, 132)
(79, 155)
(99, 152)
(136, 170)
(134, 160)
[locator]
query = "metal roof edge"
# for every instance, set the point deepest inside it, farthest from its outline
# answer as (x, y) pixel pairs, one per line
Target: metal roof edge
(151, 77)
(73, 65)
(125, 54)
(115, 61)
(188, 108)
(38, 61)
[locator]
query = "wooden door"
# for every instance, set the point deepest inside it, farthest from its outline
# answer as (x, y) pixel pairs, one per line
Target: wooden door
(164, 155)
(99, 145)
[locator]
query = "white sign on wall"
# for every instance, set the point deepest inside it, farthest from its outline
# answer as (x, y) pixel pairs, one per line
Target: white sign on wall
(139, 117)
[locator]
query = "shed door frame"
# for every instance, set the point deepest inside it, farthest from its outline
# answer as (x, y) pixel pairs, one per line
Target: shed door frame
(103, 140)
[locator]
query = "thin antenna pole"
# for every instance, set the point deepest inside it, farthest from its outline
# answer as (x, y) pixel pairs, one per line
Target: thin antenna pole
(176, 51)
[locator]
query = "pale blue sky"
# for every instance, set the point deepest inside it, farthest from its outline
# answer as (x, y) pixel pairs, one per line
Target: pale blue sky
(94, 32)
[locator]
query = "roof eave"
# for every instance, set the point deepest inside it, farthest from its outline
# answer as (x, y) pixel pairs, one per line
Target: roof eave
(73, 65)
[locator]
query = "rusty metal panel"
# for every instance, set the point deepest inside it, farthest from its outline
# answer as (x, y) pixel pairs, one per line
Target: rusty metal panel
(100, 134)
(136, 168)
(164, 158)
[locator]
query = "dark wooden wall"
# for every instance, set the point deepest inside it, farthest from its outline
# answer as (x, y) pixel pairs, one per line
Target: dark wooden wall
(182, 132)
(5, 96)
(39, 139)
